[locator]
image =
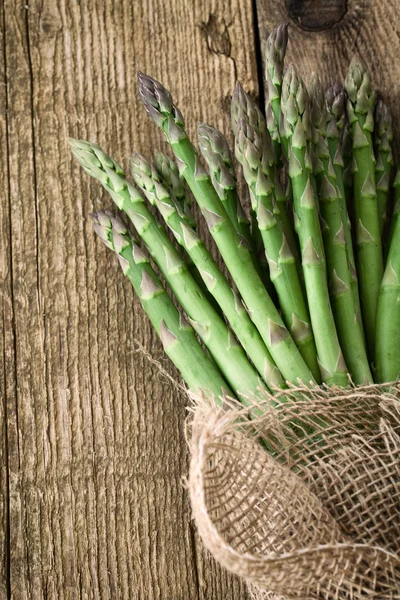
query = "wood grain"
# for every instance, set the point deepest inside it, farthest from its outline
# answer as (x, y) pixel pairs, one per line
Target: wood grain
(92, 444)
(8, 452)
(325, 35)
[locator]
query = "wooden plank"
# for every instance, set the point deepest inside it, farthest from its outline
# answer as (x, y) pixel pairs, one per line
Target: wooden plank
(7, 381)
(25, 425)
(97, 507)
(324, 36)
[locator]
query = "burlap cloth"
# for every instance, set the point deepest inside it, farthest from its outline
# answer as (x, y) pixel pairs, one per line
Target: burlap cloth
(318, 515)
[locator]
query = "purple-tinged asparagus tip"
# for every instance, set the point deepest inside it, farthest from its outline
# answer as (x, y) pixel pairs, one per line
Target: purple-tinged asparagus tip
(277, 40)
(157, 100)
(336, 100)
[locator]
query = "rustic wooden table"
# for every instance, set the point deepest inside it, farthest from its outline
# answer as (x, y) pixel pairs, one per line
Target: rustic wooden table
(92, 447)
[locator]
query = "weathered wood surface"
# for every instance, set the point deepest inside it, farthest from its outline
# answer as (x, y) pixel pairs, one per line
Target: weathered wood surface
(92, 446)
(92, 438)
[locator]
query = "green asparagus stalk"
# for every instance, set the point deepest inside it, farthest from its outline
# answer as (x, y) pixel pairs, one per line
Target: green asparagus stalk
(388, 315)
(274, 62)
(160, 107)
(253, 157)
(177, 336)
(396, 210)
(274, 58)
(383, 137)
(272, 127)
(360, 106)
(170, 176)
(215, 150)
(347, 153)
(260, 262)
(244, 109)
(146, 178)
(334, 216)
(172, 180)
(216, 153)
(209, 326)
(169, 173)
(297, 126)
(335, 126)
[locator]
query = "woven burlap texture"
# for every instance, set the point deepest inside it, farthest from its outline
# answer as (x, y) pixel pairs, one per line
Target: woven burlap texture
(318, 514)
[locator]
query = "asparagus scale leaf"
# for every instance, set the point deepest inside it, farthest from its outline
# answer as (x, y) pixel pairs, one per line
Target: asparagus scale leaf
(177, 336)
(275, 51)
(159, 105)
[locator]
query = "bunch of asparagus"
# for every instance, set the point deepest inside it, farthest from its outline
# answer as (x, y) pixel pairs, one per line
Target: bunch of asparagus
(313, 295)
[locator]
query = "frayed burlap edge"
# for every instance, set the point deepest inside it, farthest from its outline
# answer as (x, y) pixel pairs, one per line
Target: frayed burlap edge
(315, 516)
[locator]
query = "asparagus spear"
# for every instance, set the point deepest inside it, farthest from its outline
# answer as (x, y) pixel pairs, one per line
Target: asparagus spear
(272, 127)
(274, 61)
(146, 178)
(335, 127)
(383, 137)
(360, 105)
(396, 210)
(169, 173)
(347, 153)
(244, 109)
(177, 336)
(215, 151)
(281, 261)
(388, 315)
(209, 326)
(296, 117)
(334, 216)
(160, 107)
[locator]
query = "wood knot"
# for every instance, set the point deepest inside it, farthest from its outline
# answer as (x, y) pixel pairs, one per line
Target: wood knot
(316, 15)
(50, 21)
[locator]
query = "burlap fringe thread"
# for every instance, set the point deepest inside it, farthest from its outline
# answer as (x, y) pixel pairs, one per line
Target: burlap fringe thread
(318, 516)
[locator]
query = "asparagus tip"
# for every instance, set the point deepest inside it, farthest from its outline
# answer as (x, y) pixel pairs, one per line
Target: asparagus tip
(157, 100)
(317, 101)
(278, 39)
(335, 97)
(111, 230)
(238, 92)
(139, 162)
